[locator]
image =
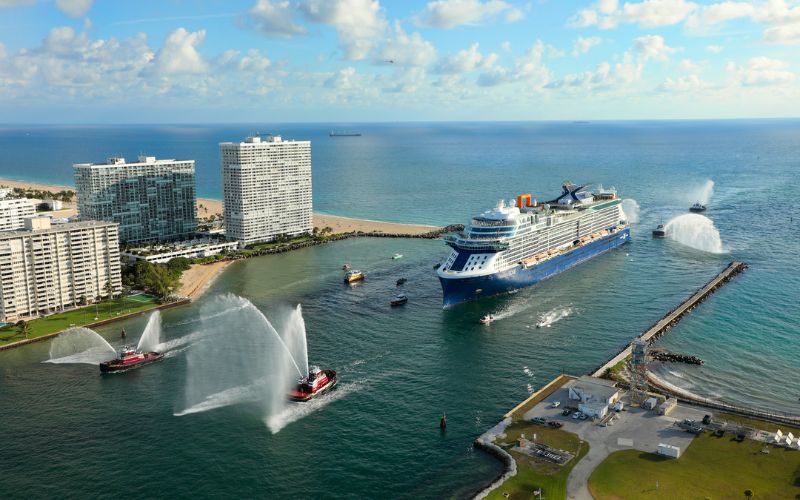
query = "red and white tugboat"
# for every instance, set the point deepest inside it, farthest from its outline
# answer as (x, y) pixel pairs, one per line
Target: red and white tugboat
(129, 358)
(317, 382)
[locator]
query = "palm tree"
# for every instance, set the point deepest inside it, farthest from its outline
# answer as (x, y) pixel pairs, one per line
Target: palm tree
(24, 328)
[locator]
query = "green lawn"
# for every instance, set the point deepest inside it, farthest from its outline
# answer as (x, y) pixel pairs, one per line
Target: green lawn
(758, 424)
(535, 473)
(79, 317)
(711, 467)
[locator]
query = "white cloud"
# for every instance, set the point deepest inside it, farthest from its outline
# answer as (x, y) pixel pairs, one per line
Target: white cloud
(447, 14)
(583, 45)
(358, 23)
(15, 3)
(408, 50)
(253, 61)
(712, 14)
(761, 71)
(342, 79)
(714, 49)
(689, 83)
(652, 47)
(406, 80)
(528, 69)
(178, 55)
(604, 78)
(647, 14)
(74, 8)
(465, 61)
(506, 46)
(275, 18)
(689, 66)
(785, 35)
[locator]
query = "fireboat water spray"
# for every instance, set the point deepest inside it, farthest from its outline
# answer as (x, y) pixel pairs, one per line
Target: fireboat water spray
(695, 231)
(80, 345)
(151, 336)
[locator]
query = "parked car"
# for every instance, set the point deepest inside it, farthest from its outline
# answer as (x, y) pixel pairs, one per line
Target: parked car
(555, 425)
(566, 412)
(583, 416)
(576, 415)
(556, 404)
(539, 420)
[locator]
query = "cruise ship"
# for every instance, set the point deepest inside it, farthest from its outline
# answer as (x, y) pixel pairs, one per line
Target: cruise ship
(521, 243)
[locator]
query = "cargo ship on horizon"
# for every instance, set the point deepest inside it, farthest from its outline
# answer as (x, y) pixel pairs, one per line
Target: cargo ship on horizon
(518, 244)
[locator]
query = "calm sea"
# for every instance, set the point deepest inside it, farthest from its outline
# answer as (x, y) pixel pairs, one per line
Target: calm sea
(70, 432)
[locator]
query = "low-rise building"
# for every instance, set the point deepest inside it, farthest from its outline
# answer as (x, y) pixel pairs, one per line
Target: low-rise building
(46, 269)
(13, 212)
(161, 254)
(594, 395)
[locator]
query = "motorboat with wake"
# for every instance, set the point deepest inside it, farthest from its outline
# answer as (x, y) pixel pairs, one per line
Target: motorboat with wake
(660, 231)
(697, 208)
(397, 256)
(317, 382)
(486, 319)
(353, 276)
(130, 358)
(399, 300)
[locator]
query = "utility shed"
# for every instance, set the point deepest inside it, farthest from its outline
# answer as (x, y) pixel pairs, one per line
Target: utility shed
(668, 450)
(650, 404)
(667, 406)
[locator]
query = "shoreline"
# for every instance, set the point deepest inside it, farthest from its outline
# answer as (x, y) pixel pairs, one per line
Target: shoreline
(206, 207)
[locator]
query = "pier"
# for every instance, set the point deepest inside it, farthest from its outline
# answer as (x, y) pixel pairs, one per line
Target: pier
(673, 317)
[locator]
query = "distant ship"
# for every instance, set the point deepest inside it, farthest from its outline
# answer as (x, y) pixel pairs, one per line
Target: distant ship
(518, 245)
(129, 358)
(344, 134)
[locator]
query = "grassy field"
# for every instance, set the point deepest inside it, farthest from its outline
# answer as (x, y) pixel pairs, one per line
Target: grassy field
(534, 473)
(79, 317)
(711, 467)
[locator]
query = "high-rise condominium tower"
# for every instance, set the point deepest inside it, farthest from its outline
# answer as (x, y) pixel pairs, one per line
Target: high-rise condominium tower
(151, 200)
(267, 188)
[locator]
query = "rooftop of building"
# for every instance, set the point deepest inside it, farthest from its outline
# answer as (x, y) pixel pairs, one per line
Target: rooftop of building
(114, 161)
(42, 225)
(262, 139)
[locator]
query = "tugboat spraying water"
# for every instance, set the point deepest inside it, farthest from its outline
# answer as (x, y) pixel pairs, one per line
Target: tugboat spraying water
(129, 358)
(317, 382)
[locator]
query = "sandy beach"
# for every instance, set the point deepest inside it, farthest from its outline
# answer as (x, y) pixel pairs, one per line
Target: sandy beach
(199, 277)
(206, 207)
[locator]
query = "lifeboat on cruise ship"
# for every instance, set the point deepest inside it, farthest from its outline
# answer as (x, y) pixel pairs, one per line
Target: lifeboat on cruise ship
(317, 382)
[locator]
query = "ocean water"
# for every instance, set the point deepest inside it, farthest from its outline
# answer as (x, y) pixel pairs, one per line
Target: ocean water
(401, 368)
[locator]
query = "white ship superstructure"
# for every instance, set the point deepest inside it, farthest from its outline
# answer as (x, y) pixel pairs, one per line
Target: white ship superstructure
(502, 248)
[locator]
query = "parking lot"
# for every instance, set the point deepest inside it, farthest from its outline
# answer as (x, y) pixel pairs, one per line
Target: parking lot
(633, 428)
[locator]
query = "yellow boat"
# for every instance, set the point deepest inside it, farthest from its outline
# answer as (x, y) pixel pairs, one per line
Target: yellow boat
(352, 276)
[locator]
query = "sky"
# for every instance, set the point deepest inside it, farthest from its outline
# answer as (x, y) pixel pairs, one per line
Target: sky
(187, 61)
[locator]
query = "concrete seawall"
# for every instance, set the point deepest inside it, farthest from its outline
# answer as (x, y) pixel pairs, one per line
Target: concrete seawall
(21, 343)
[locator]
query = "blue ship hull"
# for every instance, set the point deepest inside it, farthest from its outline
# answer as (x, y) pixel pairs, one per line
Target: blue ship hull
(457, 290)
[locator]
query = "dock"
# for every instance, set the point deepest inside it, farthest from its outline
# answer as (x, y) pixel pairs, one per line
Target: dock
(673, 317)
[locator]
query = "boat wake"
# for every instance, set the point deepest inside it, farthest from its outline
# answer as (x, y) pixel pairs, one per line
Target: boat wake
(295, 411)
(631, 210)
(548, 319)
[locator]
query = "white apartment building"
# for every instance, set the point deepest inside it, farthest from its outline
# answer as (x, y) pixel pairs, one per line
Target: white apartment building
(151, 200)
(13, 212)
(45, 269)
(267, 188)
(161, 254)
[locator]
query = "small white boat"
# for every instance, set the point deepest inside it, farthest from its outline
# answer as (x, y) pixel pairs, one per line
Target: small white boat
(486, 319)
(397, 256)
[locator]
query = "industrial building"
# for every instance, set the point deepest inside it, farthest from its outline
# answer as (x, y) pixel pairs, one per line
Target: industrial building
(151, 200)
(267, 188)
(45, 269)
